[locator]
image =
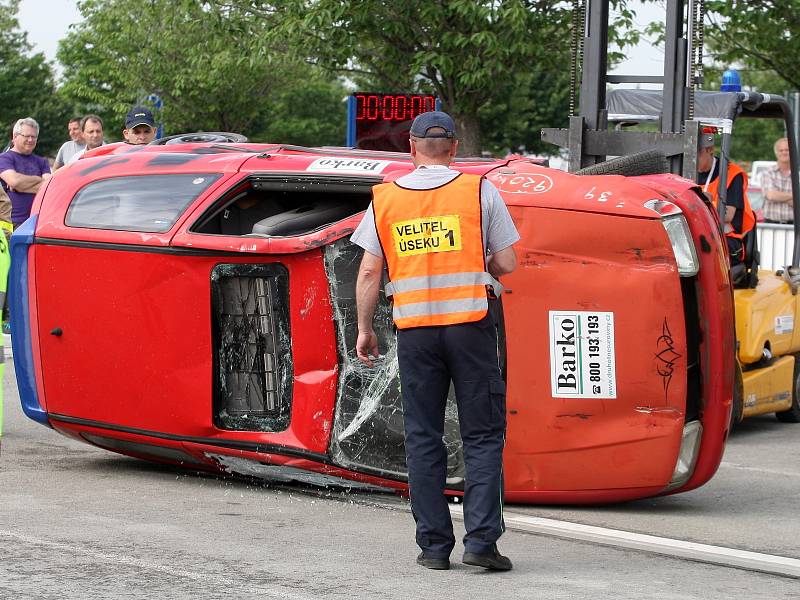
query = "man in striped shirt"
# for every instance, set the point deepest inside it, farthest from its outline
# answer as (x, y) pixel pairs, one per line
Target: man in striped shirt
(777, 187)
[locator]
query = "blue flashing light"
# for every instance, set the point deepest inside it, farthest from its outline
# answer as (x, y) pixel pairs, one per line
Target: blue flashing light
(731, 81)
(21, 241)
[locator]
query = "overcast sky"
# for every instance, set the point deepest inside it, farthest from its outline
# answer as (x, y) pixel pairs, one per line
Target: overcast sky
(47, 21)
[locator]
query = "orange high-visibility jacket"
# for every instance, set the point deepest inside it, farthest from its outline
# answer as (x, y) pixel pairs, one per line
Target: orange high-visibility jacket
(433, 244)
(749, 217)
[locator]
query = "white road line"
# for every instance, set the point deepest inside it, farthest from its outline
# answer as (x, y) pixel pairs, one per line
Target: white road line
(129, 561)
(730, 465)
(717, 555)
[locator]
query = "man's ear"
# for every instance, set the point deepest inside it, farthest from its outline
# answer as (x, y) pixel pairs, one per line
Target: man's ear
(454, 149)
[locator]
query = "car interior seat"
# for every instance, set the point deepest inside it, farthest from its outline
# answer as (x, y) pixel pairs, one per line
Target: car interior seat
(745, 274)
(304, 218)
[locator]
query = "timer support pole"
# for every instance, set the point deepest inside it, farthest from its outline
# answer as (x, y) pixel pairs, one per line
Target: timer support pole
(350, 140)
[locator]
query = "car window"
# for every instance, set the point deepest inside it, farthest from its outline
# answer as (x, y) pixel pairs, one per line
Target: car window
(149, 203)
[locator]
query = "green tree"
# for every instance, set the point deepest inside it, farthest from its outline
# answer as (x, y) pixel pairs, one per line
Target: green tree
(758, 34)
(513, 118)
(757, 38)
(465, 51)
(211, 71)
(27, 85)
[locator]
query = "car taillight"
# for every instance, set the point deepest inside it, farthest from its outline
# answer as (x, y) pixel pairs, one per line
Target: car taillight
(687, 455)
(679, 235)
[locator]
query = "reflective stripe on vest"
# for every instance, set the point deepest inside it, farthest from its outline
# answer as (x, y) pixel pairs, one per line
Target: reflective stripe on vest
(748, 216)
(422, 309)
(433, 244)
(412, 284)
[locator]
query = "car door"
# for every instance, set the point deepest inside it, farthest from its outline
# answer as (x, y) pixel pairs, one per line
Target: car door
(122, 319)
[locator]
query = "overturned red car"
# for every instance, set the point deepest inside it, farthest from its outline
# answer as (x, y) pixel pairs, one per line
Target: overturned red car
(192, 303)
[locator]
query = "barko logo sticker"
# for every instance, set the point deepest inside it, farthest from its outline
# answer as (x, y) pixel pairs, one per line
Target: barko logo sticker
(347, 165)
(582, 359)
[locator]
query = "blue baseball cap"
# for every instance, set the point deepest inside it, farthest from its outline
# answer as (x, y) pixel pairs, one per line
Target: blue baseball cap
(139, 115)
(434, 118)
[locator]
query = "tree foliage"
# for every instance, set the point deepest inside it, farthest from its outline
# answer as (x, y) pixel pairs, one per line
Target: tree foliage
(758, 38)
(513, 118)
(27, 85)
(473, 54)
(211, 70)
(758, 34)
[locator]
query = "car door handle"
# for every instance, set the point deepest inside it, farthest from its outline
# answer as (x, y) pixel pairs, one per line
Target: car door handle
(57, 331)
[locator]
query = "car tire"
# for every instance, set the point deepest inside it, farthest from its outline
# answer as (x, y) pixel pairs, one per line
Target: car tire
(201, 137)
(793, 414)
(648, 162)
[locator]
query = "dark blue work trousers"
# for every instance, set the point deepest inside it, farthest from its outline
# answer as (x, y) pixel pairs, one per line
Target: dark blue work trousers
(429, 358)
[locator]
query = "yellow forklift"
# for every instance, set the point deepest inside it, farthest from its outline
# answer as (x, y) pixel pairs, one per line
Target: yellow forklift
(766, 302)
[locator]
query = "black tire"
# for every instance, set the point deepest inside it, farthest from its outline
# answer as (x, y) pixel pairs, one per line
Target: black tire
(200, 137)
(793, 414)
(738, 399)
(648, 162)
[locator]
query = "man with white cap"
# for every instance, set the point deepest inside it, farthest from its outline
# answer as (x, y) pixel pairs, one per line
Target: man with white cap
(445, 237)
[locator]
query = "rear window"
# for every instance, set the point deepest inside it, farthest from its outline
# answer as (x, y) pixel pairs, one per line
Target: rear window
(149, 203)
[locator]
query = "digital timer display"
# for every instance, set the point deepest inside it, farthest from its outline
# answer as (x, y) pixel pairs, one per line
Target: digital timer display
(382, 121)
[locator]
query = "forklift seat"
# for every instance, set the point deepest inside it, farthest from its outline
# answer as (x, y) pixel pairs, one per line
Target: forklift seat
(744, 275)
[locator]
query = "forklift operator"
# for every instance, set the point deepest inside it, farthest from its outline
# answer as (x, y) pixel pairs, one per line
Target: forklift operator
(739, 216)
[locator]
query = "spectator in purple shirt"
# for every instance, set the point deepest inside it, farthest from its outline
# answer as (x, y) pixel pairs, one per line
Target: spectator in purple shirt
(21, 171)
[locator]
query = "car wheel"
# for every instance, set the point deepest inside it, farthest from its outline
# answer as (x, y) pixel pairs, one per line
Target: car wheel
(793, 414)
(200, 137)
(647, 162)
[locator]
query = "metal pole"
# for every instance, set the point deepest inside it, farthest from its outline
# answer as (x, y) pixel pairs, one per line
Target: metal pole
(795, 104)
(722, 178)
(595, 63)
(675, 55)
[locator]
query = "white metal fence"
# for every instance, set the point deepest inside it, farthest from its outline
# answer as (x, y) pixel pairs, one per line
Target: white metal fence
(775, 243)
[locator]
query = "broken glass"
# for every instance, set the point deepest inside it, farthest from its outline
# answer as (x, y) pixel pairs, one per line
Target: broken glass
(252, 347)
(368, 421)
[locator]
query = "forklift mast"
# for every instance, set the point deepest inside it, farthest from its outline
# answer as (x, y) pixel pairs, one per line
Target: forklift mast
(588, 138)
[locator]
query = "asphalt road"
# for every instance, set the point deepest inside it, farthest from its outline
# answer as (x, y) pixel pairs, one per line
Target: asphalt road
(79, 522)
(752, 503)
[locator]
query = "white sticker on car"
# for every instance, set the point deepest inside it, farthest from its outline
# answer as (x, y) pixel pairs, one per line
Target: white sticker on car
(784, 324)
(582, 358)
(347, 165)
(523, 183)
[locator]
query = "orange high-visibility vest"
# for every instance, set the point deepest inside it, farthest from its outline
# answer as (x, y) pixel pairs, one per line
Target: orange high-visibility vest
(433, 244)
(749, 217)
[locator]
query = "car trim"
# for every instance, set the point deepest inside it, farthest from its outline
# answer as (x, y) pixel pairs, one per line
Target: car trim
(259, 447)
(19, 305)
(134, 247)
(247, 446)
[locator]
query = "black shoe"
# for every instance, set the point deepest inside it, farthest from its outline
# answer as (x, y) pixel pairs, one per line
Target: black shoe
(439, 564)
(490, 560)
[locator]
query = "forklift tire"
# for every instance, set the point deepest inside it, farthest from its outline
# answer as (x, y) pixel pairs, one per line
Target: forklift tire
(737, 407)
(648, 162)
(793, 414)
